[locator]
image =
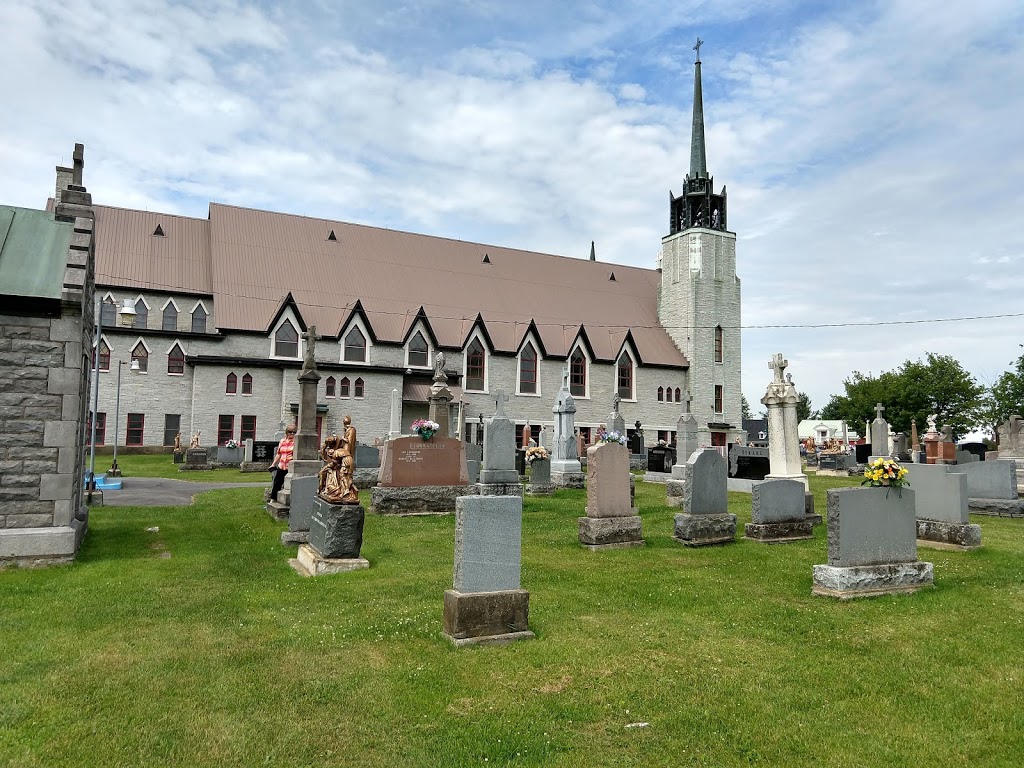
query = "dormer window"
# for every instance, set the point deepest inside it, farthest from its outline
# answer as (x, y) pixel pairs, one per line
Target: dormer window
(578, 373)
(624, 376)
(355, 347)
(475, 366)
(528, 369)
(199, 319)
(418, 351)
(286, 340)
(141, 355)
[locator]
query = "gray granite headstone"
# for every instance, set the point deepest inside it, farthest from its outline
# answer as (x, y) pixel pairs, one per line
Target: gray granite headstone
(868, 527)
(776, 501)
(499, 462)
(336, 530)
(540, 471)
(474, 452)
(706, 478)
(990, 479)
(473, 471)
(488, 536)
(939, 493)
(965, 457)
(303, 496)
(367, 456)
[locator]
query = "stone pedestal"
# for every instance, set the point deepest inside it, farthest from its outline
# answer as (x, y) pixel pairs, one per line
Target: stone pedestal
(611, 520)
(500, 489)
(706, 520)
(674, 492)
(421, 477)
(872, 545)
(178, 457)
(568, 475)
(418, 500)
(308, 563)
(486, 618)
(939, 535)
(777, 508)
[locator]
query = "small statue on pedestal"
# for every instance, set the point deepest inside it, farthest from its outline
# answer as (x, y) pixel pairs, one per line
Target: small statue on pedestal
(195, 440)
(335, 478)
(177, 443)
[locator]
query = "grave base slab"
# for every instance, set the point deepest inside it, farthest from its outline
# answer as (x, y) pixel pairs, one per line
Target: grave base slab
(674, 490)
(996, 507)
(540, 489)
(568, 479)
(611, 532)
(486, 617)
(309, 563)
(289, 538)
(704, 530)
(779, 533)
(417, 500)
(940, 535)
(499, 489)
(277, 510)
(846, 583)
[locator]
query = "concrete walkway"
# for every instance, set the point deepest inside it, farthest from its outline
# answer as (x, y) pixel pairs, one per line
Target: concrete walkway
(162, 492)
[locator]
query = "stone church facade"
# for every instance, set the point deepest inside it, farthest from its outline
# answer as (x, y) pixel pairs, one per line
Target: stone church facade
(223, 305)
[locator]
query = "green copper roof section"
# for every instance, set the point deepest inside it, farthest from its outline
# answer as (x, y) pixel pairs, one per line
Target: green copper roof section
(33, 252)
(698, 158)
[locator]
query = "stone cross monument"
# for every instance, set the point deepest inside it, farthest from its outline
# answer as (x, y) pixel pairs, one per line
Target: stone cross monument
(566, 470)
(498, 475)
(783, 438)
(879, 433)
(440, 397)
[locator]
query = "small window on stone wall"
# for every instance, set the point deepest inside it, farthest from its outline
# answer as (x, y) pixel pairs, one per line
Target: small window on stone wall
(332, 385)
(246, 384)
(345, 387)
(357, 390)
(231, 384)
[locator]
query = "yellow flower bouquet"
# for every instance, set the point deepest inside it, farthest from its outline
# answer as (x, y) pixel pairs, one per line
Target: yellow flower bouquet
(885, 473)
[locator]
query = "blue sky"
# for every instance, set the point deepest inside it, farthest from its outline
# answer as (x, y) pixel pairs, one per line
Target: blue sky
(872, 151)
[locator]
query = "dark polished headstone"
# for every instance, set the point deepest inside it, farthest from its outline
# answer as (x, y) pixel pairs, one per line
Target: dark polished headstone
(336, 530)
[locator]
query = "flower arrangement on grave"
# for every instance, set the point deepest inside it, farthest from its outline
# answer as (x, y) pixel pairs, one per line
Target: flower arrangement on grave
(231, 443)
(611, 436)
(425, 428)
(885, 473)
(536, 453)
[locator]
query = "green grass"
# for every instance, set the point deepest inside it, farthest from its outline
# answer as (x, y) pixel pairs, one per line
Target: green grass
(198, 646)
(161, 465)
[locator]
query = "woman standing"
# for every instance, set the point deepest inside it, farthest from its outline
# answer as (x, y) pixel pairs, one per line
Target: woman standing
(282, 458)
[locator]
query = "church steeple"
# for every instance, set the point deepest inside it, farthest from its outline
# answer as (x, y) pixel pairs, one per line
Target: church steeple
(698, 206)
(698, 156)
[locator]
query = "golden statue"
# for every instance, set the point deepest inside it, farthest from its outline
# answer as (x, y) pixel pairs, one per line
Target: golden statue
(195, 440)
(177, 443)
(335, 478)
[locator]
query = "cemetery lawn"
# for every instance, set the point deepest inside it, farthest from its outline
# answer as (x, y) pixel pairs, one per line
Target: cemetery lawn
(161, 465)
(197, 645)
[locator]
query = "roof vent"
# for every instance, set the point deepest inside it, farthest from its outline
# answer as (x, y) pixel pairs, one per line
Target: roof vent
(486, 259)
(159, 231)
(611, 277)
(333, 237)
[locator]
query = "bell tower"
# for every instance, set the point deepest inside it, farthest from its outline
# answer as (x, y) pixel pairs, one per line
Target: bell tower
(699, 300)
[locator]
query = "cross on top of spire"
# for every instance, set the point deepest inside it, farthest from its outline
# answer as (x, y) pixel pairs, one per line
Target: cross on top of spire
(697, 48)
(778, 365)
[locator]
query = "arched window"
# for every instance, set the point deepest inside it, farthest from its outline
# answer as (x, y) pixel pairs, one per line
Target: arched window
(141, 314)
(331, 386)
(528, 369)
(578, 373)
(104, 356)
(345, 387)
(418, 351)
(624, 376)
(108, 312)
(199, 319)
(475, 366)
(718, 344)
(231, 385)
(286, 340)
(358, 388)
(246, 384)
(679, 395)
(661, 394)
(176, 361)
(668, 395)
(355, 346)
(170, 320)
(141, 354)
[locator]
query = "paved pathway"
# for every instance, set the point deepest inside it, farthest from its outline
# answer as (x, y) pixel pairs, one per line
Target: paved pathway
(163, 492)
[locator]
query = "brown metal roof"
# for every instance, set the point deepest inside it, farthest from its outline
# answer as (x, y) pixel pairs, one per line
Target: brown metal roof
(250, 260)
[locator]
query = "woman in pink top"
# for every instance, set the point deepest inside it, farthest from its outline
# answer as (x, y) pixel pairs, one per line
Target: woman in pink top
(282, 458)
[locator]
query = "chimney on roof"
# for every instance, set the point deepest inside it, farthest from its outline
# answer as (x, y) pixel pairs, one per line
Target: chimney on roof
(593, 254)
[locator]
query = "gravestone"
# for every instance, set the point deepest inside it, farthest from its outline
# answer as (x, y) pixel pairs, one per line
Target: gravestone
(706, 519)
(992, 487)
(258, 455)
(900, 447)
(940, 503)
(879, 434)
(687, 441)
(862, 452)
(521, 462)
(335, 540)
(660, 458)
(367, 469)
(566, 470)
(965, 457)
(749, 462)
(421, 477)
(780, 398)
(777, 513)
(540, 478)
(616, 423)
(395, 426)
(303, 499)
(498, 473)
(196, 458)
(486, 603)
(872, 545)
(611, 520)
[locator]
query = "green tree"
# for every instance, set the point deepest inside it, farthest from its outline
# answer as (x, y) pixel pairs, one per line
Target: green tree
(745, 408)
(803, 407)
(1006, 397)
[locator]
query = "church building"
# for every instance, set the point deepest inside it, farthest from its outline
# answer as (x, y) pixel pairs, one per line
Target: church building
(224, 306)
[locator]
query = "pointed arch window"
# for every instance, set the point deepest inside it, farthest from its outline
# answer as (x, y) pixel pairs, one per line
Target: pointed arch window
(358, 388)
(108, 312)
(286, 340)
(679, 395)
(199, 319)
(246, 384)
(141, 314)
(578, 373)
(141, 354)
(418, 351)
(231, 384)
(661, 394)
(170, 318)
(528, 369)
(668, 395)
(624, 376)
(104, 356)
(332, 386)
(475, 366)
(719, 344)
(346, 387)
(176, 361)
(355, 346)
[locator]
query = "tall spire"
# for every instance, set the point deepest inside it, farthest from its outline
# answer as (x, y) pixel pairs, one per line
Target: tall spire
(698, 157)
